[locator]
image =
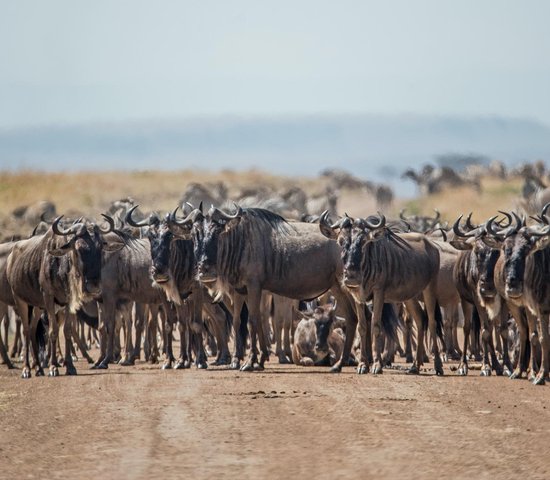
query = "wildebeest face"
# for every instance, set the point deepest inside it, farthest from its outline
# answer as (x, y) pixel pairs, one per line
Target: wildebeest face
(324, 320)
(516, 249)
(160, 239)
(352, 254)
(206, 249)
(485, 259)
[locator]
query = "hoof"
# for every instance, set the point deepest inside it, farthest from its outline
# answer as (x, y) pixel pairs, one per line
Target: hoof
(258, 367)
(283, 360)
(54, 372)
(362, 369)
(485, 372)
(126, 362)
(507, 372)
(539, 380)
(336, 369)
(409, 359)
(102, 366)
(414, 370)
(377, 369)
(235, 365)
(70, 370)
(516, 374)
(438, 366)
(166, 366)
(202, 365)
(180, 365)
(247, 367)
(26, 373)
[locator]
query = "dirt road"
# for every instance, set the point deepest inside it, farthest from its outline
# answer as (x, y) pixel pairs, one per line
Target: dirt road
(285, 422)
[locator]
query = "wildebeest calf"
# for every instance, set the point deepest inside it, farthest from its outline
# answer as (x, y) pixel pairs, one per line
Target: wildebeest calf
(316, 341)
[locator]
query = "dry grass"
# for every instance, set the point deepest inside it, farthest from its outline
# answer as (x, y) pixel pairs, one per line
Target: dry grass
(90, 193)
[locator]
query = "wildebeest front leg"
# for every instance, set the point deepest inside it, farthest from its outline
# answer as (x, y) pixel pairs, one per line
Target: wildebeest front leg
(365, 339)
(431, 305)
(503, 332)
(53, 335)
(256, 324)
(545, 344)
(67, 333)
(107, 311)
(3, 352)
(415, 310)
(467, 309)
(348, 310)
(238, 354)
(535, 344)
(488, 345)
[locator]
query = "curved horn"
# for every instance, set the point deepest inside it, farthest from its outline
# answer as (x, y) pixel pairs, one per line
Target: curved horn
(217, 214)
(458, 232)
(381, 223)
(130, 221)
(437, 216)
(491, 230)
(334, 305)
(469, 223)
(402, 215)
(516, 227)
(324, 220)
(110, 221)
(57, 230)
(544, 210)
(508, 216)
(187, 221)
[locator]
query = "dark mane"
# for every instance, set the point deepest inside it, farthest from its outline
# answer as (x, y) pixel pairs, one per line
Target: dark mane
(275, 221)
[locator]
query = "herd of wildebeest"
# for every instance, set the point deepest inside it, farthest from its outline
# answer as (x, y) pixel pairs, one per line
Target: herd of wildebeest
(328, 290)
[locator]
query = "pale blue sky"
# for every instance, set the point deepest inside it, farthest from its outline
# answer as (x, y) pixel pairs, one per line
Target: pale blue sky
(69, 61)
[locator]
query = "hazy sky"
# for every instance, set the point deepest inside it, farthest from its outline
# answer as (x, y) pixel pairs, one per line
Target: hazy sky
(69, 61)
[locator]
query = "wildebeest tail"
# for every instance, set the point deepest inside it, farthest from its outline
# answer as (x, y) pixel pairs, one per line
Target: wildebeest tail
(390, 321)
(439, 323)
(243, 331)
(476, 324)
(42, 332)
(228, 319)
(82, 316)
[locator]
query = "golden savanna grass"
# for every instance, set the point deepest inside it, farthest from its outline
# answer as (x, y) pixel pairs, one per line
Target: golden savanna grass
(90, 193)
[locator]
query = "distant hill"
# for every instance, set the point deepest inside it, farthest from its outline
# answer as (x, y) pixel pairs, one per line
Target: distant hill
(372, 146)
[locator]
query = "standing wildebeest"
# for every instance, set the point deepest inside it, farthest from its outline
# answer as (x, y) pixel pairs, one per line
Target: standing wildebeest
(383, 266)
(47, 272)
(173, 269)
(316, 342)
(255, 250)
(474, 279)
(526, 276)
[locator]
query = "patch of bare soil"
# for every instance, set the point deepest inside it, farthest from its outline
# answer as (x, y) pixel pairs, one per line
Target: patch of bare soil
(286, 422)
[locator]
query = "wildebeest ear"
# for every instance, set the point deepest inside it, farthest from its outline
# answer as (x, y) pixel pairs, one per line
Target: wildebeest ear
(231, 224)
(461, 244)
(112, 246)
(328, 232)
(540, 243)
(63, 250)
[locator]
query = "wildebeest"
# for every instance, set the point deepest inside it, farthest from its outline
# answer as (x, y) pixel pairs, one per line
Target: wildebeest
(173, 269)
(254, 250)
(382, 266)
(316, 342)
(61, 268)
(525, 274)
(474, 279)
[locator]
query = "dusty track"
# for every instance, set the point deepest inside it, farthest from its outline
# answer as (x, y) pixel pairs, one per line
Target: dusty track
(286, 422)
